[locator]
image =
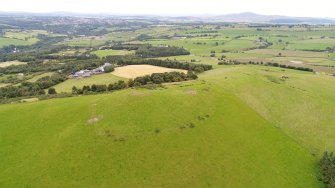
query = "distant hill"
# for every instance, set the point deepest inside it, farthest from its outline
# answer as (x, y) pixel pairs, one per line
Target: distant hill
(244, 17)
(257, 18)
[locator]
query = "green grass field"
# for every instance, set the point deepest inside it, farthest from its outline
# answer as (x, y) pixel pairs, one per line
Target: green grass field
(22, 35)
(85, 42)
(18, 37)
(80, 82)
(301, 106)
(104, 53)
(315, 44)
(92, 141)
(13, 41)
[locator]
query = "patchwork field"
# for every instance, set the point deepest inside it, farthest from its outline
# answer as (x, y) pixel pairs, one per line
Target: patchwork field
(133, 71)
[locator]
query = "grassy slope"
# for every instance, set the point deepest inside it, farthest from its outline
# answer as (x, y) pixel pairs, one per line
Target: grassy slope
(49, 143)
(302, 106)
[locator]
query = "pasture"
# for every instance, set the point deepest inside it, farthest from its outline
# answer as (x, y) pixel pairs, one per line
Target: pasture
(235, 126)
(301, 105)
(14, 41)
(104, 53)
(174, 138)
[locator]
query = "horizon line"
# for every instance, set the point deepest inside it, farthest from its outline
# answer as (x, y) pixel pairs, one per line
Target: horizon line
(148, 14)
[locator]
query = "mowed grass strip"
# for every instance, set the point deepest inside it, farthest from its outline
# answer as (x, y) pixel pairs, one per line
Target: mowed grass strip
(188, 135)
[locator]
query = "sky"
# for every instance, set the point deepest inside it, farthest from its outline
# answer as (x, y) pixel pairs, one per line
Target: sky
(304, 8)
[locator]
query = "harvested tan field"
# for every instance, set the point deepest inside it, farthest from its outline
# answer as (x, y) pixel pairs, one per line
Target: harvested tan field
(9, 63)
(133, 71)
(297, 62)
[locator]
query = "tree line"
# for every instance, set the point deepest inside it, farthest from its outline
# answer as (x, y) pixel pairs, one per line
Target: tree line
(31, 89)
(155, 78)
(65, 65)
(235, 62)
(147, 51)
(121, 46)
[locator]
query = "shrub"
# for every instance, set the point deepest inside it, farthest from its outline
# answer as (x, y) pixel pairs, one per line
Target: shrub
(52, 91)
(151, 51)
(109, 69)
(327, 165)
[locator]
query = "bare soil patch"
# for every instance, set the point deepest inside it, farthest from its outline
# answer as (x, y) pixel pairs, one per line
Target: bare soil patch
(94, 120)
(192, 92)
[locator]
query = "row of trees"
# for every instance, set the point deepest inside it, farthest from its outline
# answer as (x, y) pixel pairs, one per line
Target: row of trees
(31, 89)
(156, 78)
(66, 65)
(146, 51)
(120, 46)
(99, 88)
(235, 62)
(327, 165)
(289, 67)
(48, 81)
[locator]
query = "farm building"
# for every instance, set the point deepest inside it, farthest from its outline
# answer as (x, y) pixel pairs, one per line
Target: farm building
(88, 73)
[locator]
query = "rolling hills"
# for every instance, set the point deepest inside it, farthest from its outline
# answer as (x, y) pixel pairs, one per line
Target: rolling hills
(205, 133)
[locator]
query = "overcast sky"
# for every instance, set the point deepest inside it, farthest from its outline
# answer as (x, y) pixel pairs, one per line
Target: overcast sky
(310, 8)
